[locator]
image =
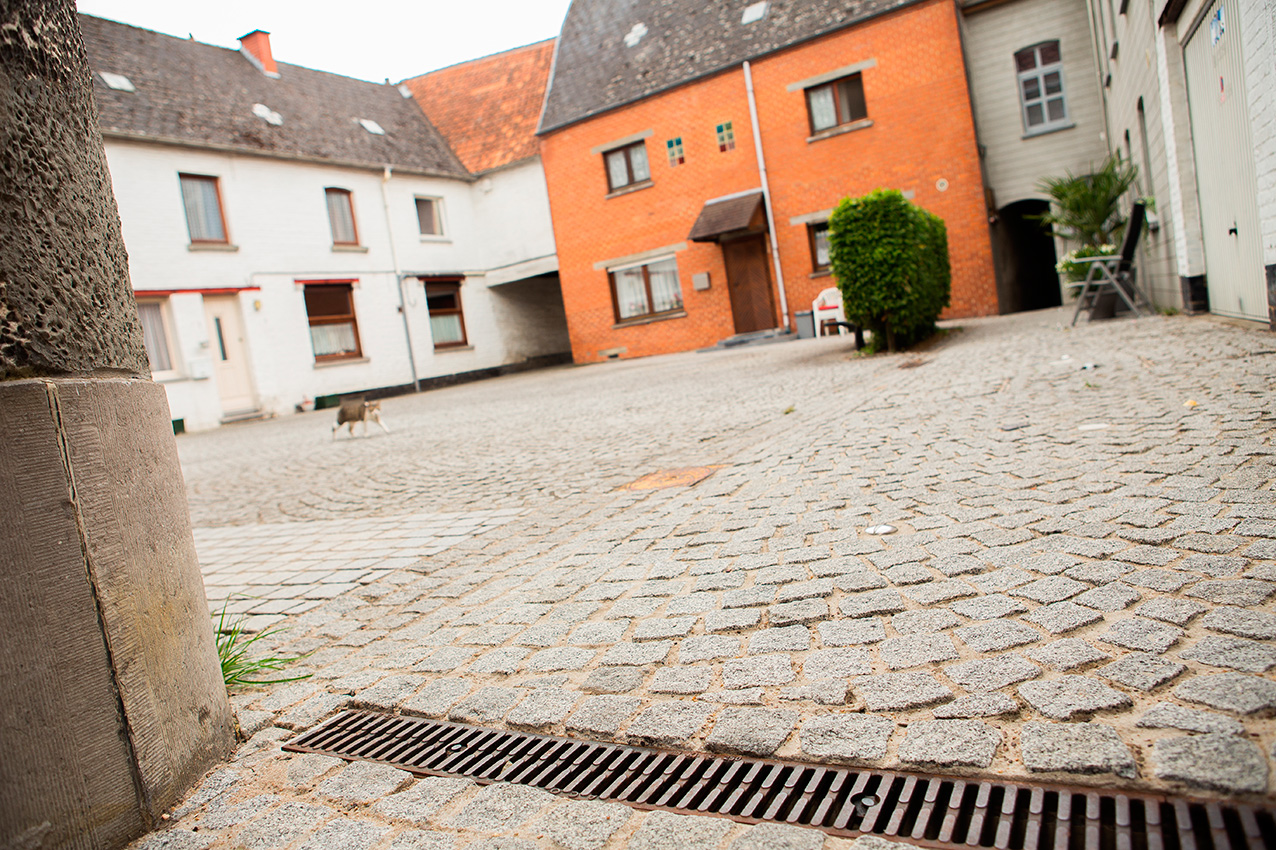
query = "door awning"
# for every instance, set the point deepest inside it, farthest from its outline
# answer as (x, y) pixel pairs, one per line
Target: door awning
(729, 215)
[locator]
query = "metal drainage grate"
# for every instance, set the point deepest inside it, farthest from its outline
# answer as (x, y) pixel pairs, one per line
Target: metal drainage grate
(945, 811)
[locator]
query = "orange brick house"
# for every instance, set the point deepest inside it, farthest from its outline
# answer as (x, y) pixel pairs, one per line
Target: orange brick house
(693, 153)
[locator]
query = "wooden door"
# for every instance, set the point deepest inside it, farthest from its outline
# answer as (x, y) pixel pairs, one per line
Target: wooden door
(1225, 173)
(229, 354)
(749, 284)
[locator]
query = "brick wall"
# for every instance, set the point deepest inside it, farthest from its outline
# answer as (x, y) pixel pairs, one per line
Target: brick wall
(922, 132)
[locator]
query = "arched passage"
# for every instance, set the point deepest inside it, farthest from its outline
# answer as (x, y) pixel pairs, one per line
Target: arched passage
(1024, 258)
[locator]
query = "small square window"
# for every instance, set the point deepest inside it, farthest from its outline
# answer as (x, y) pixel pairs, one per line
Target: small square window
(837, 103)
(341, 216)
(447, 320)
(818, 235)
(334, 333)
(201, 196)
(627, 166)
(674, 148)
(428, 216)
(726, 137)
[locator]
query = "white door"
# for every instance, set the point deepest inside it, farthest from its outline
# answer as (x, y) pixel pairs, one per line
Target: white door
(230, 354)
(1225, 165)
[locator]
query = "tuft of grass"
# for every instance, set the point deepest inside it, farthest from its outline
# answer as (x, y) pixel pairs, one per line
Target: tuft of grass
(789, 410)
(239, 668)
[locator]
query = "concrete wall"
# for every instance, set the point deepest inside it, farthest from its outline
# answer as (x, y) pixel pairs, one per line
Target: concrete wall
(1015, 162)
(279, 233)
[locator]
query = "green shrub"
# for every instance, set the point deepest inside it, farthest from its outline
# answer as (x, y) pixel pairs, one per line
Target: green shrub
(890, 259)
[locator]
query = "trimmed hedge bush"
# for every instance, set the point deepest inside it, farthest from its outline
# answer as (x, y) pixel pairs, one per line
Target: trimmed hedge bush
(890, 259)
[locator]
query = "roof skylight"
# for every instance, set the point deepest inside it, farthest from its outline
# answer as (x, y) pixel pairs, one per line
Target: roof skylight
(635, 34)
(265, 113)
(119, 82)
(371, 126)
(754, 12)
(405, 91)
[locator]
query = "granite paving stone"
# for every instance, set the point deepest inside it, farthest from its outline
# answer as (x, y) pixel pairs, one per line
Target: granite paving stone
(1075, 748)
(837, 663)
(950, 743)
(1177, 611)
(1071, 695)
(977, 705)
(784, 639)
(505, 659)
(502, 807)
(872, 602)
(1167, 715)
(992, 606)
(668, 831)
(363, 782)
(1233, 653)
(425, 798)
(1050, 589)
(820, 692)
(846, 737)
(1241, 592)
(915, 650)
(1242, 622)
(345, 834)
(484, 706)
(1235, 692)
(668, 724)
(281, 826)
(805, 590)
(856, 632)
(990, 674)
(708, 647)
(1166, 581)
(1113, 596)
(636, 654)
(731, 621)
(779, 836)
(682, 680)
(1138, 633)
(585, 824)
(1006, 578)
(892, 691)
(800, 611)
(758, 671)
(750, 731)
(1225, 763)
(542, 708)
(612, 680)
(933, 592)
(662, 629)
(304, 768)
(924, 620)
(602, 714)
(1141, 670)
(1063, 617)
(996, 635)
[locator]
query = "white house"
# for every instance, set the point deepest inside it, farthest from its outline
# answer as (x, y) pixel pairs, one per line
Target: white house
(296, 235)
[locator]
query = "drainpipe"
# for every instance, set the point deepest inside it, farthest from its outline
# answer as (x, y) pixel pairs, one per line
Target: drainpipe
(766, 194)
(398, 277)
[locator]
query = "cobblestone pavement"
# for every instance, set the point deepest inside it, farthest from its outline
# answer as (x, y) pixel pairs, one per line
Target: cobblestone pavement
(1078, 588)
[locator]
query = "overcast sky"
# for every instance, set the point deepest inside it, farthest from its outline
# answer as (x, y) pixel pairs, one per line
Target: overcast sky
(368, 39)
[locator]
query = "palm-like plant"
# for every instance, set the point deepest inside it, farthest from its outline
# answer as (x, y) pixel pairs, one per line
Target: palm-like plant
(1087, 207)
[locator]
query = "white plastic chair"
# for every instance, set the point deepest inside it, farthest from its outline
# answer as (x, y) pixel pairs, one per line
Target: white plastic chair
(827, 306)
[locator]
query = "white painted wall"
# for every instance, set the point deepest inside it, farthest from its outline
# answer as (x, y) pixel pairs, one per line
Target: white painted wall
(1258, 28)
(1015, 162)
(277, 221)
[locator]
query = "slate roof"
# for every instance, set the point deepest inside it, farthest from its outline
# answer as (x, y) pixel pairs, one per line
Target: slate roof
(595, 70)
(194, 93)
(487, 108)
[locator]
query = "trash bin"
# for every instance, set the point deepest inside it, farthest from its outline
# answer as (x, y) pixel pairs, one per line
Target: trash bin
(805, 324)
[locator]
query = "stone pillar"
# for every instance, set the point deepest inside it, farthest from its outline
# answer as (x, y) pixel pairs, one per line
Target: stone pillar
(112, 701)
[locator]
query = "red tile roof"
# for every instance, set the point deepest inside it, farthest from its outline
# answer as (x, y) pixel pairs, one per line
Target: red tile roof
(487, 108)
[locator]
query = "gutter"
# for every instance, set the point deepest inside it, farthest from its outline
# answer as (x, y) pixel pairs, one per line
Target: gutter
(398, 277)
(766, 194)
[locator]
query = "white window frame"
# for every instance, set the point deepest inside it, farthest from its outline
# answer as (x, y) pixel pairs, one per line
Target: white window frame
(166, 326)
(440, 220)
(1039, 73)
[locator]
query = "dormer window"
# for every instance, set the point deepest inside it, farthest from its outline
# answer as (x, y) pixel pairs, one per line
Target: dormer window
(371, 126)
(119, 82)
(635, 34)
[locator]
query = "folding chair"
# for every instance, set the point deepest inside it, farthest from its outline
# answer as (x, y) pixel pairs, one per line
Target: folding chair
(1115, 272)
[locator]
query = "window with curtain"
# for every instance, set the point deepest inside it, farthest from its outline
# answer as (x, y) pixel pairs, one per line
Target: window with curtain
(341, 216)
(836, 103)
(627, 166)
(201, 197)
(154, 336)
(447, 320)
(651, 289)
(334, 332)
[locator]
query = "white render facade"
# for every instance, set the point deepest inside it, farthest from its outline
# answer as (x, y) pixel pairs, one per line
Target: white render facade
(496, 242)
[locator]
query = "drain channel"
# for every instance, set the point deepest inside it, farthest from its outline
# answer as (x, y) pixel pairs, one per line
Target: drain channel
(945, 811)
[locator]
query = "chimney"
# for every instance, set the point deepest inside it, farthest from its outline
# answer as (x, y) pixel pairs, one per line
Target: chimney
(256, 47)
